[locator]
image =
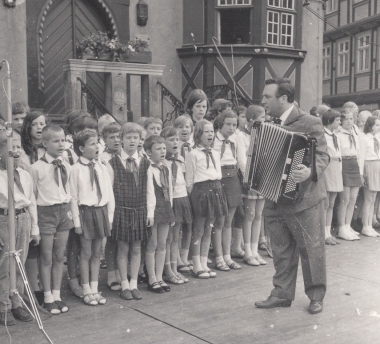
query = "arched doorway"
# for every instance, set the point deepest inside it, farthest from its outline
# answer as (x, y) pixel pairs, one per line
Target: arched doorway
(61, 26)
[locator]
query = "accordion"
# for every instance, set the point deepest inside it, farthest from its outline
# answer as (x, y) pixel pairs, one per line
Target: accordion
(273, 154)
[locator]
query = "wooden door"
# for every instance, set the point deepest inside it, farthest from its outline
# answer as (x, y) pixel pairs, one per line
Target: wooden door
(65, 23)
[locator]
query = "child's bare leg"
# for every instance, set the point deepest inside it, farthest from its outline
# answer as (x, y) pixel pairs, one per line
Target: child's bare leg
(135, 251)
(198, 230)
(150, 255)
(169, 240)
(85, 256)
(227, 237)
(73, 256)
(162, 235)
(186, 242)
(174, 246)
(206, 240)
(95, 264)
(46, 261)
(256, 229)
(122, 262)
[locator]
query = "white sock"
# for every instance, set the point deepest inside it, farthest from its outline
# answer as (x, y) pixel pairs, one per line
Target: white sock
(184, 255)
(111, 277)
(86, 289)
(327, 232)
(133, 284)
(227, 258)
(56, 295)
(248, 250)
(124, 285)
(48, 297)
(219, 260)
(204, 263)
(197, 263)
(94, 287)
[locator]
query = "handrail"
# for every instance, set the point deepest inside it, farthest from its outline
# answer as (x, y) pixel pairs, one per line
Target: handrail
(224, 90)
(168, 97)
(94, 99)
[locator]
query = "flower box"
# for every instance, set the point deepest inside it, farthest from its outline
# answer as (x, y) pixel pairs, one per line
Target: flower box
(144, 56)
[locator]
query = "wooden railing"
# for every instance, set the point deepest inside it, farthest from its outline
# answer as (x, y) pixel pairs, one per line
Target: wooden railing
(171, 106)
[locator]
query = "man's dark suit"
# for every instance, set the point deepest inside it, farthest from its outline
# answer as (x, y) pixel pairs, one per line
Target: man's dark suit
(298, 229)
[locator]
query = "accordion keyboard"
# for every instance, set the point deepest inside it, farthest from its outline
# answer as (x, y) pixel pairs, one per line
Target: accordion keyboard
(297, 159)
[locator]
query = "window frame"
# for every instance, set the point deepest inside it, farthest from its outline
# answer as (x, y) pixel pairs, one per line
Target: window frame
(330, 9)
(343, 57)
(282, 4)
(280, 26)
(234, 4)
(326, 58)
(360, 51)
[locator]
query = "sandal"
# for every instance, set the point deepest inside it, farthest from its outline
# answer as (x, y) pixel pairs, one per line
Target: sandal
(164, 286)
(173, 279)
(89, 300)
(263, 246)
(115, 286)
(158, 288)
(239, 255)
(62, 306)
(52, 308)
(182, 277)
(260, 260)
(252, 261)
(222, 266)
(200, 274)
(212, 273)
(233, 265)
(100, 299)
(183, 268)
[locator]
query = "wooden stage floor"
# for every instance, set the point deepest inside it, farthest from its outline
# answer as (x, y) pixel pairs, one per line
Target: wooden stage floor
(222, 310)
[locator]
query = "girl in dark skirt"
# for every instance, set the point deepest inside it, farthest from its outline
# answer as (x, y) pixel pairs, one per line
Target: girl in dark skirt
(208, 200)
(352, 171)
(181, 205)
(232, 157)
(160, 212)
(92, 206)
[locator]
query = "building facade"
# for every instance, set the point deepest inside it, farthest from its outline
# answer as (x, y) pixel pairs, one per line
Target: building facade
(351, 59)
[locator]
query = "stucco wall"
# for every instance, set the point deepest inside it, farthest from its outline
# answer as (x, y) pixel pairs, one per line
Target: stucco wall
(13, 49)
(164, 29)
(311, 70)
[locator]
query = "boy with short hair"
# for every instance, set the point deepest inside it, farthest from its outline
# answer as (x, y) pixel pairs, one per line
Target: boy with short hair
(111, 137)
(26, 229)
(19, 112)
(51, 174)
(153, 126)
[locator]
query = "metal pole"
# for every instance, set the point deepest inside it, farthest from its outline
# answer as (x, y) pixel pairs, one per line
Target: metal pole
(10, 172)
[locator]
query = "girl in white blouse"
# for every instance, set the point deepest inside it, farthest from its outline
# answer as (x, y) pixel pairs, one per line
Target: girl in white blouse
(352, 172)
(371, 173)
(333, 172)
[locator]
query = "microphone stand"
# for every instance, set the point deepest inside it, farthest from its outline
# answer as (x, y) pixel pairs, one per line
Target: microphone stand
(12, 215)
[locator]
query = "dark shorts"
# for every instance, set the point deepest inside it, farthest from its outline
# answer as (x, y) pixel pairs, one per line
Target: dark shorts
(55, 218)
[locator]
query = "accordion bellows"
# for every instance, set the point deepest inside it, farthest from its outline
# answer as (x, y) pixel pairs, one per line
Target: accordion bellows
(273, 154)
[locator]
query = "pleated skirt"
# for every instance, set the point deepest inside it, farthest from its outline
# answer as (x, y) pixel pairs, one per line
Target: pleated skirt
(182, 210)
(94, 222)
(372, 174)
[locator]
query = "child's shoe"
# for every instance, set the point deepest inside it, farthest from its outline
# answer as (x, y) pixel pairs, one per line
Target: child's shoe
(90, 300)
(62, 306)
(100, 299)
(126, 294)
(52, 308)
(136, 294)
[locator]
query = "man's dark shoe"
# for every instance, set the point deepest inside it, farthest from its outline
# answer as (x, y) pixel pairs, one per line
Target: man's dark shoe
(10, 319)
(272, 302)
(315, 307)
(22, 314)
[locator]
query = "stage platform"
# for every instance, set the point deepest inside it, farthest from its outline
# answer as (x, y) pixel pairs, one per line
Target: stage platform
(221, 310)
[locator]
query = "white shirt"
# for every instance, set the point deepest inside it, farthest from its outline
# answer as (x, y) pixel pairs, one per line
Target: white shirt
(196, 167)
(65, 156)
(350, 150)
(369, 147)
(246, 137)
(179, 189)
(154, 173)
(45, 187)
(21, 200)
(331, 150)
(83, 193)
(187, 149)
(286, 114)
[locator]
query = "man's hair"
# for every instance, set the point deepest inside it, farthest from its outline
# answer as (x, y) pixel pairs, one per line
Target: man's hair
(151, 140)
(182, 120)
(169, 132)
(329, 117)
(19, 108)
(151, 120)
(81, 138)
(48, 129)
(130, 127)
(285, 88)
(110, 129)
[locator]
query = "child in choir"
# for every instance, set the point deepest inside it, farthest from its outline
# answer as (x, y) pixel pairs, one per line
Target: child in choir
(160, 212)
(218, 107)
(185, 128)
(352, 172)
(140, 147)
(26, 229)
(68, 121)
(141, 121)
(197, 105)
(253, 202)
(51, 175)
(209, 203)
(92, 206)
(232, 157)
(242, 120)
(103, 121)
(129, 227)
(111, 136)
(181, 204)
(371, 173)
(31, 142)
(153, 126)
(333, 172)
(19, 112)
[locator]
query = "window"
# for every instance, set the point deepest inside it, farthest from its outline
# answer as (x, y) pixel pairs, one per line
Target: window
(332, 5)
(235, 25)
(280, 28)
(234, 2)
(326, 62)
(289, 4)
(343, 58)
(363, 54)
